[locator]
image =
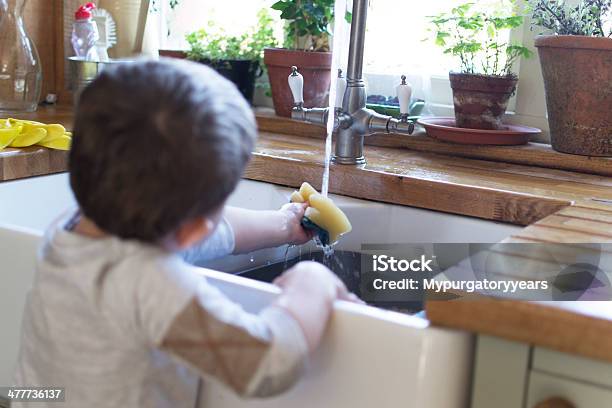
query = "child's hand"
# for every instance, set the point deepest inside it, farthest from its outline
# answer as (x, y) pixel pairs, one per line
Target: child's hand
(293, 214)
(309, 277)
(309, 290)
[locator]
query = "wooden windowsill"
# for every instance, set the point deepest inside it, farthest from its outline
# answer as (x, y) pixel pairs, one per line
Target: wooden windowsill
(532, 154)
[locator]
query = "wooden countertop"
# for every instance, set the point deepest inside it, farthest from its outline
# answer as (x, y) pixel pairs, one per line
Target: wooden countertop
(554, 204)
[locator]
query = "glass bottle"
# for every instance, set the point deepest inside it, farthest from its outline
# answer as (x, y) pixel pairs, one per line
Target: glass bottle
(20, 69)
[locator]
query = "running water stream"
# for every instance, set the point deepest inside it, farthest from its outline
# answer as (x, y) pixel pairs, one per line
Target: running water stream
(339, 61)
(340, 48)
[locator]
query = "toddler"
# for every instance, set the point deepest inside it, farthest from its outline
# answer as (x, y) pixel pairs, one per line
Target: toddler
(117, 315)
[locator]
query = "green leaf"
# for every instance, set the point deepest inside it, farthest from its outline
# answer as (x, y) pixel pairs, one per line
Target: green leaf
(279, 5)
(348, 16)
(491, 31)
(441, 38)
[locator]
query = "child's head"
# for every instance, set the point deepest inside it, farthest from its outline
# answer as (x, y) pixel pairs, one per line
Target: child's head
(157, 144)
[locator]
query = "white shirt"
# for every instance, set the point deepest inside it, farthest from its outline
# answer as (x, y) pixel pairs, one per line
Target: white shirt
(108, 319)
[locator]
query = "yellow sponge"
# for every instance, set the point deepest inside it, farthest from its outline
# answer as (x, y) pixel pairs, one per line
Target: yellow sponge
(296, 197)
(323, 213)
(306, 190)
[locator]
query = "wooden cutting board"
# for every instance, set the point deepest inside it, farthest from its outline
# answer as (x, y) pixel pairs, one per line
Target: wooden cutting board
(31, 161)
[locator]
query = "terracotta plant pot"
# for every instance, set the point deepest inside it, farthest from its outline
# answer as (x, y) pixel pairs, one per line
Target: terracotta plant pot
(314, 66)
(481, 100)
(577, 74)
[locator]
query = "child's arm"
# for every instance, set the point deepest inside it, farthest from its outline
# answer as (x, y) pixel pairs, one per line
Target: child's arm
(255, 230)
(255, 355)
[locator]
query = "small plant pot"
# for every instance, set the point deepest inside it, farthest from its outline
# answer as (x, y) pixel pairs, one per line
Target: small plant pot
(314, 66)
(577, 73)
(242, 73)
(481, 100)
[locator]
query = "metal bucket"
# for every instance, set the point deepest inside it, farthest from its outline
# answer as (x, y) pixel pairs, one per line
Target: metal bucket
(83, 72)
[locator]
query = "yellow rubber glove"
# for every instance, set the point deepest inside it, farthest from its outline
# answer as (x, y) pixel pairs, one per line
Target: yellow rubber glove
(14, 121)
(61, 143)
(29, 133)
(7, 136)
(54, 132)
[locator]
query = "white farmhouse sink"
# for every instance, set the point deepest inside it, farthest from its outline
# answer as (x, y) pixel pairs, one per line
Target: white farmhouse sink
(369, 357)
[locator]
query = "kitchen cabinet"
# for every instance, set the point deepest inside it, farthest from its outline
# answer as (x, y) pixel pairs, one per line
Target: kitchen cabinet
(509, 374)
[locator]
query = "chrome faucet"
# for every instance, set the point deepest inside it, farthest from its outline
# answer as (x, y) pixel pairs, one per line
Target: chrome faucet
(352, 119)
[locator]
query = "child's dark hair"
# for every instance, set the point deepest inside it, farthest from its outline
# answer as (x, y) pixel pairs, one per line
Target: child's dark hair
(156, 144)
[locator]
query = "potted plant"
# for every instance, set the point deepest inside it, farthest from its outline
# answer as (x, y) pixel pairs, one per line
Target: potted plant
(306, 46)
(576, 64)
(238, 58)
(485, 83)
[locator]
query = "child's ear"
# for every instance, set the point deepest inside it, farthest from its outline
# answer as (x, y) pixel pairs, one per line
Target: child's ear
(193, 231)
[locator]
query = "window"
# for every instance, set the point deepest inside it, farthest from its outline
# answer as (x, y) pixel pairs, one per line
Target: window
(394, 46)
(234, 16)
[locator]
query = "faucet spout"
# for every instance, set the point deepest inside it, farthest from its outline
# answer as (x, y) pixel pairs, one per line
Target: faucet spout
(357, 44)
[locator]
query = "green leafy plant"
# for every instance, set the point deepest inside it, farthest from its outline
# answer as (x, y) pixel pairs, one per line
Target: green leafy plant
(586, 18)
(308, 23)
(478, 38)
(213, 44)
